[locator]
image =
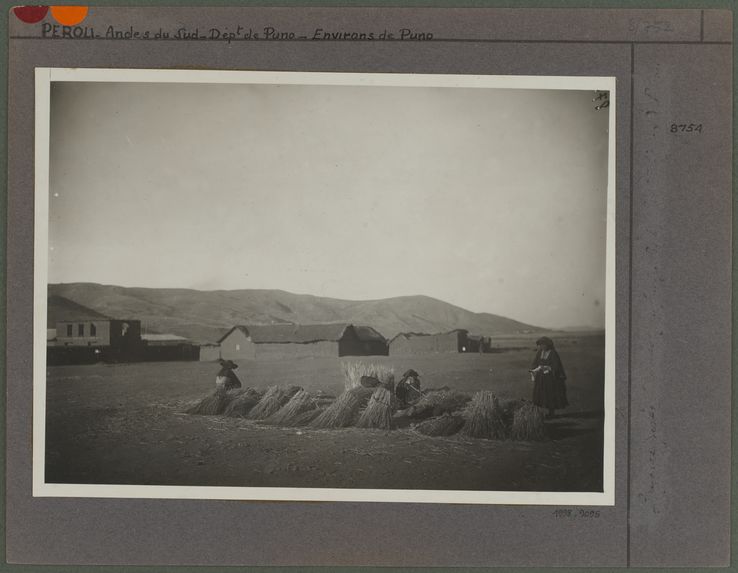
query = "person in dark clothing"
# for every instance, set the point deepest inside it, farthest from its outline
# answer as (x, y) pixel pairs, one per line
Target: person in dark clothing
(549, 377)
(408, 389)
(226, 378)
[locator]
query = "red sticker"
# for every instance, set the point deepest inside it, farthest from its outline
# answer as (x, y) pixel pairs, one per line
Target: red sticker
(30, 14)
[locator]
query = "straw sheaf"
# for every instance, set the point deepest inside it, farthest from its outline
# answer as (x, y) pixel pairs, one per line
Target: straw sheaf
(528, 423)
(378, 413)
(273, 400)
(300, 403)
(445, 425)
(305, 418)
(212, 405)
(484, 418)
(438, 402)
(244, 400)
(353, 372)
(344, 411)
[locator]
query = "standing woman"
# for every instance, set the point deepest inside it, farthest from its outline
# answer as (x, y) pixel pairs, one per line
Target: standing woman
(549, 377)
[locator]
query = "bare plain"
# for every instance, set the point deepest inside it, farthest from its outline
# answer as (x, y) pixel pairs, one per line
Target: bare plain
(103, 421)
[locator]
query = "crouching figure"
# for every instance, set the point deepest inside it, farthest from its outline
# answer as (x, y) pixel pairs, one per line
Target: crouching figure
(226, 378)
(408, 388)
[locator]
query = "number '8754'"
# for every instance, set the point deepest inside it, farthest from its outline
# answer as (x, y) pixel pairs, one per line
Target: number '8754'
(685, 128)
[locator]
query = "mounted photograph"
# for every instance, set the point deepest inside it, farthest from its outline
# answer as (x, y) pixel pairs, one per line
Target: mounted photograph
(324, 287)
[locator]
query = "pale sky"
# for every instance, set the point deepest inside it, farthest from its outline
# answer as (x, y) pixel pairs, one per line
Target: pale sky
(490, 199)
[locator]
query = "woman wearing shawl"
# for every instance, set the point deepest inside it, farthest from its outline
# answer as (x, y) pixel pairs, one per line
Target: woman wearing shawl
(549, 377)
(408, 390)
(226, 378)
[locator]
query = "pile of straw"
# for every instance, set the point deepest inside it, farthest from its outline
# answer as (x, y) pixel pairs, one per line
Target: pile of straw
(244, 400)
(528, 423)
(344, 411)
(484, 418)
(353, 372)
(305, 418)
(370, 382)
(300, 403)
(445, 425)
(274, 398)
(436, 403)
(213, 404)
(323, 400)
(378, 413)
(509, 407)
(291, 391)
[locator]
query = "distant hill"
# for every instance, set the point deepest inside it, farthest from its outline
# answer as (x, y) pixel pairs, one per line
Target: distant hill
(582, 329)
(60, 309)
(206, 315)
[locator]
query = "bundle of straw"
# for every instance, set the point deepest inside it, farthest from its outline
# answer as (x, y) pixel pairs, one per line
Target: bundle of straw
(305, 418)
(509, 407)
(274, 398)
(244, 400)
(291, 390)
(212, 405)
(438, 402)
(354, 371)
(300, 403)
(370, 382)
(344, 410)
(484, 417)
(378, 413)
(445, 425)
(322, 399)
(528, 423)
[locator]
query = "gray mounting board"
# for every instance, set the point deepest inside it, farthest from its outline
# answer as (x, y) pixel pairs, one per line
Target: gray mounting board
(673, 296)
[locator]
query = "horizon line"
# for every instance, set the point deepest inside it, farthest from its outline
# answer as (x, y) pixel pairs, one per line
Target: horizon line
(572, 327)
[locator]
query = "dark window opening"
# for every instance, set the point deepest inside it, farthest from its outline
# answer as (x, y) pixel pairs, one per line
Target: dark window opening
(93, 330)
(69, 330)
(80, 330)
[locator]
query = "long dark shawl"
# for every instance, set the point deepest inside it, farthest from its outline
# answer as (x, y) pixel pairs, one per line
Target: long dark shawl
(553, 360)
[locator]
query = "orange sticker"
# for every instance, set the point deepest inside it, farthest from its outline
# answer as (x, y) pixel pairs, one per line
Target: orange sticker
(69, 15)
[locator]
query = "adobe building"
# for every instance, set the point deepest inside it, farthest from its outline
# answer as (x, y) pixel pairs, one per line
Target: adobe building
(480, 344)
(82, 335)
(168, 347)
(209, 351)
(301, 340)
(454, 341)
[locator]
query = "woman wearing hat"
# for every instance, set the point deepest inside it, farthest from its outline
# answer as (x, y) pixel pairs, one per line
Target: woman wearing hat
(549, 377)
(226, 378)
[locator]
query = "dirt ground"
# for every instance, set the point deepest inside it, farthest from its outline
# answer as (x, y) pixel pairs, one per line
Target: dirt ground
(123, 424)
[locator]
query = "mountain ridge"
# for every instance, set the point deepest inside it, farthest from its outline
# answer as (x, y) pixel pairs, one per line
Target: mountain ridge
(204, 315)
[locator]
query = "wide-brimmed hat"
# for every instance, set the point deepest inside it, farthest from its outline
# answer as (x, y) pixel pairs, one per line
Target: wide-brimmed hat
(545, 341)
(227, 363)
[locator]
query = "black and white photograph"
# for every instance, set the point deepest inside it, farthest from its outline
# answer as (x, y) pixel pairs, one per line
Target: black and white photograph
(319, 286)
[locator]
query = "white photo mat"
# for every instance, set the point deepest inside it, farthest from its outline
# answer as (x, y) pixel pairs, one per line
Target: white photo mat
(43, 80)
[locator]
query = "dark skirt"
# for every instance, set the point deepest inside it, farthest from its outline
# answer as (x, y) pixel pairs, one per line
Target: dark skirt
(549, 392)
